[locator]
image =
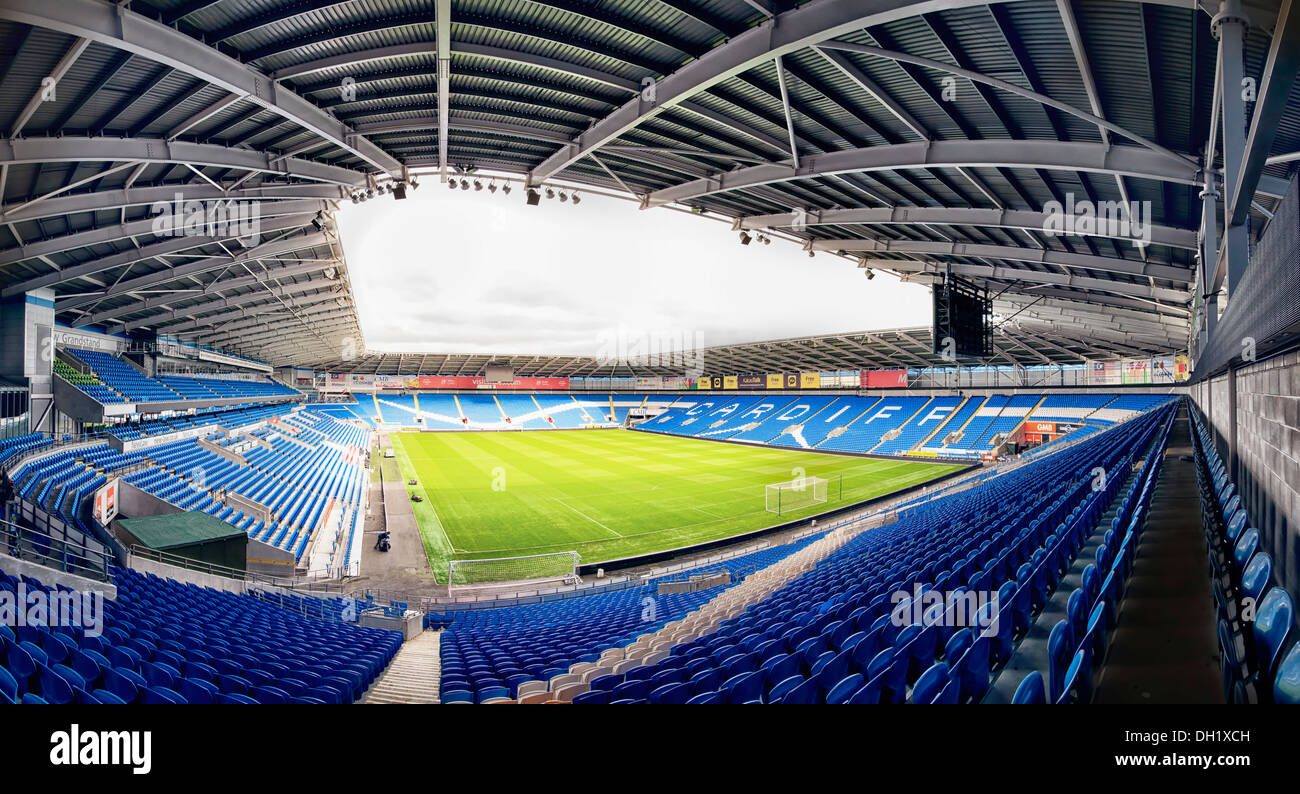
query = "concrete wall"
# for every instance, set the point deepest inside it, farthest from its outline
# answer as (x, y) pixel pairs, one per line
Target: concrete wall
(145, 565)
(1255, 414)
(50, 577)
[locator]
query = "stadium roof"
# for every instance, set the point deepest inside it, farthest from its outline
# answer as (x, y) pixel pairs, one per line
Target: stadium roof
(920, 136)
(1026, 335)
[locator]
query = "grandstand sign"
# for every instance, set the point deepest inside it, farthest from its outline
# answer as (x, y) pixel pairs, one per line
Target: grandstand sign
(775, 381)
(1042, 427)
(884, 379)
(105, 503)
(372, 383)
(158, 440)
(232, 361)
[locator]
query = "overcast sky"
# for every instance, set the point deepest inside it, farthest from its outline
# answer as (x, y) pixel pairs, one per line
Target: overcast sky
(476, 272)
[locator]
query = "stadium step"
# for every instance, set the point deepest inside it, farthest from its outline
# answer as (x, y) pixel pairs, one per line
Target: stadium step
(414, 675)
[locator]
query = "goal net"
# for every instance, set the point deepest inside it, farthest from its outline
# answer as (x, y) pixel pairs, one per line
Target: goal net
(796, 494)
(560, 566)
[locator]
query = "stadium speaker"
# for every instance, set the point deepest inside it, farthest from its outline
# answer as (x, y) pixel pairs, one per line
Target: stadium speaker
(534, 198)
(963, 319)
(399, 191)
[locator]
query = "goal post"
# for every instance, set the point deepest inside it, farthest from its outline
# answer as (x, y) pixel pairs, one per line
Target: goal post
(559, 566)
(796, 494)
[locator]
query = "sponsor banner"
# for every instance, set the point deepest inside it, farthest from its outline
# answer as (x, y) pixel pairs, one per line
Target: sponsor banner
(1162, 369)
(716, 382)
(217, 358)
(1182, 368)
(729, 382)
(105, 504)
(884, 379)
(1041, 427)
(810, 380)
(751, 382)
(1137, 371)
(792, 380)
(774, 381)
(479, 382)
(1105, 373)
(830, 380)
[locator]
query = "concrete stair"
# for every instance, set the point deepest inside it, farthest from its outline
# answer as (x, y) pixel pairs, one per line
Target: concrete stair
(414, 676)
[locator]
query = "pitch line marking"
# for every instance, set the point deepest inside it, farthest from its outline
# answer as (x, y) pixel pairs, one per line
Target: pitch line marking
(584, 515)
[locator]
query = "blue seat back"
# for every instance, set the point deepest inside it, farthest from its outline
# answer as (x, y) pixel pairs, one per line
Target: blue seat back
(1030, 689)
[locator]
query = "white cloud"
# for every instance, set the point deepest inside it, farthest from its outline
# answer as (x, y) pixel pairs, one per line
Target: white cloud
(476, 272)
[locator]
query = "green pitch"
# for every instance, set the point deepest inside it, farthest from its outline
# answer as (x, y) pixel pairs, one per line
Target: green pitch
(612, 493)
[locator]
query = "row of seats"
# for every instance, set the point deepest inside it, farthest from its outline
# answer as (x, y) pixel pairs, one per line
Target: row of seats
(1259, 646)
(214, 416)
(166, 642)
(487, 654)
(888, 425)
(531, 411)
(113, 380)
(299, 481)
(1077, 643)
(12, 448)
(841, 634)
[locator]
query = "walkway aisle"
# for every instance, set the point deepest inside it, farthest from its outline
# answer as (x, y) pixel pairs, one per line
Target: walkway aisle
(414, 674)
(1164, 648)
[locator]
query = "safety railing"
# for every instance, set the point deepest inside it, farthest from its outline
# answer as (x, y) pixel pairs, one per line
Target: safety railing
(61, 553)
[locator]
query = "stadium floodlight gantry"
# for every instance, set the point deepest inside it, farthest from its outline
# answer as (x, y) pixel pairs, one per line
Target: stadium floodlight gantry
(953, 136)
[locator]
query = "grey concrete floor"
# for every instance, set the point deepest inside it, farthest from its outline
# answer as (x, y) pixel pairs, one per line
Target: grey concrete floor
(1164, 648)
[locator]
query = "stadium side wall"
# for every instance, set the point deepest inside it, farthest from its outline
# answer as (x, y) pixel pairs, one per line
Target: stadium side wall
(1255, 414)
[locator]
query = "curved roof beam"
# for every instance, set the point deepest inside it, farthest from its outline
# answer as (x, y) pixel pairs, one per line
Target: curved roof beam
(187, 313)
(565, 68)
(121, 198)
(247, 327)
(1109, 264)
(1027, 220)
(961, 153)
(1064, 107)
(279, 335)
(430, 123)
(137, 228)
(156, 150)
(116, 26)
(267, 249)
(1039, 277)
(1093, 299)
(781, 35)
(216, 288)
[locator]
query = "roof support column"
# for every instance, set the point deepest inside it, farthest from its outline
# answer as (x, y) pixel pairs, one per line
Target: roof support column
(1230, 26)
(1209, 258)
(443, 17)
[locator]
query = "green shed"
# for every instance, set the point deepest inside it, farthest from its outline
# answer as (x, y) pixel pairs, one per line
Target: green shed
(194, 535)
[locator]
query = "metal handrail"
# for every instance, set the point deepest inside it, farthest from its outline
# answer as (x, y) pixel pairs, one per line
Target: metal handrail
(28, 544)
